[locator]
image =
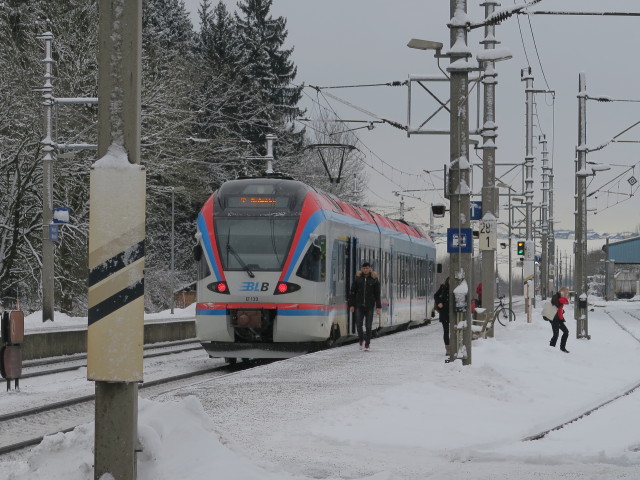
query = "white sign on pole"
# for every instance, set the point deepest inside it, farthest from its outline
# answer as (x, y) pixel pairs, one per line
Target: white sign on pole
(488, 234)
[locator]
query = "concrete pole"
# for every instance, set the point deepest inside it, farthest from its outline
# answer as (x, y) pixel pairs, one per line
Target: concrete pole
(510, 254)
(544, 264)
(431, 229)
(580, 310)
(529, 251)
(489, 190)
(551, 247)
(119, 84)
(459, 186)
(609, 271)
(173, 247)
(47, 183)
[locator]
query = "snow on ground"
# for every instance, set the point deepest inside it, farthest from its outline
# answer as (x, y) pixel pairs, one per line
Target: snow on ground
(397, 412)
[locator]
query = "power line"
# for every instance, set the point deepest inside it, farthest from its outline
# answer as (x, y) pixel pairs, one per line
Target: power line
(533, 37)
(395, 83)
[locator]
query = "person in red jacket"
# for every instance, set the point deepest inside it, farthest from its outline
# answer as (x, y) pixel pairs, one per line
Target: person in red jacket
(479, 294)
(559, 300)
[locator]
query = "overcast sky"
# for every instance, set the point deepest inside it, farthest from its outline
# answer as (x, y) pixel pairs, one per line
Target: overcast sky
(356, 42)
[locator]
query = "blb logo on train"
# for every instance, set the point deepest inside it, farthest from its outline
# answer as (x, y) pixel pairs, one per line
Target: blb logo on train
(254, 287)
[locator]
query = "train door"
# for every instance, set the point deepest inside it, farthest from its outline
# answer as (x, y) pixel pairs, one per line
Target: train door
(411, 272)
(392, 283)
(351, 266)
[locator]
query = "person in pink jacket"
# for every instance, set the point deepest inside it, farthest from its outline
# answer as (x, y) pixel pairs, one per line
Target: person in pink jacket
(559, 300)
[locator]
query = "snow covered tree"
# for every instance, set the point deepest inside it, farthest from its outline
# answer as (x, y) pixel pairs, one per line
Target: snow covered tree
(20, 155)
(267, 72)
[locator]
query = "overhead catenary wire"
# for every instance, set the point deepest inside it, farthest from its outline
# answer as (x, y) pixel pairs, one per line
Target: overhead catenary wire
(395, 83)
(333, 112)
(360, 109)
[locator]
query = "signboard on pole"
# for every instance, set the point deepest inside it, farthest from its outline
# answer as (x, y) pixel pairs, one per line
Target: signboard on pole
(53, 232)
(459, 240)
(61, 215)
(475, 210)
(488, 234)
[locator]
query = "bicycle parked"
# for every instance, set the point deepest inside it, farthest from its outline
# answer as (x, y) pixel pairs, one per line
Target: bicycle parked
(503, 313)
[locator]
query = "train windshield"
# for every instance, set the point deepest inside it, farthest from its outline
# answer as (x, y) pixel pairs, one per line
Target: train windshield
(254, 243)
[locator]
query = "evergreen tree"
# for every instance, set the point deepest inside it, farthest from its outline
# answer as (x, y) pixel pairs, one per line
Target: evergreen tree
(266, 71)
(167, 115)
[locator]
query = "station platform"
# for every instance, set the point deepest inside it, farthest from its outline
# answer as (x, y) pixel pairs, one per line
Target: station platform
(68, 335)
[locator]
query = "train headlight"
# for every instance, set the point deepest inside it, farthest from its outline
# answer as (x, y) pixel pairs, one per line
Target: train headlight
(286, 287)
(219, 287)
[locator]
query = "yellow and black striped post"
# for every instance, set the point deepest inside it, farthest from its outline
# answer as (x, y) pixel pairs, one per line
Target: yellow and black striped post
(116, 271)
(116, 243)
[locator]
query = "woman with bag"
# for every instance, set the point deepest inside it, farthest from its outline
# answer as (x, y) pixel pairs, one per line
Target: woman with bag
(559, 300)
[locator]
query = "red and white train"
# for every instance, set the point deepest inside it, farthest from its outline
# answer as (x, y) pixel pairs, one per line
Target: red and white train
(276, 258)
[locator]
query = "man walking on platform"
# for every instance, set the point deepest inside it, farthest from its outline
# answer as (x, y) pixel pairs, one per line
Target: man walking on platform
(364, 297)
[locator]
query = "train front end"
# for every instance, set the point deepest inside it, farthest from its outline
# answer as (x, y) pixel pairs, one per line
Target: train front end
(251, 233)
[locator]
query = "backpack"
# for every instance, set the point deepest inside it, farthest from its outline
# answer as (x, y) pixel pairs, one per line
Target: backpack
(549, 311)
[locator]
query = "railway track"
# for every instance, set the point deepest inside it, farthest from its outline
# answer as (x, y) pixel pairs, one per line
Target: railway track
(25, 428)
(41, 367)
(634, 388)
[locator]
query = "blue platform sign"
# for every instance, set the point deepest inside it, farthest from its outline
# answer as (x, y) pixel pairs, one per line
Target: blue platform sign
(459, 240)
(61, 215)
(475, 210)
(53, 232)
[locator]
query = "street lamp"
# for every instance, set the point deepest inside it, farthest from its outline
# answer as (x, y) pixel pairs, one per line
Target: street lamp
(420, 44)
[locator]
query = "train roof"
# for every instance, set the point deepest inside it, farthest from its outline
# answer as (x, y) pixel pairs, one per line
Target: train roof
(329, 201)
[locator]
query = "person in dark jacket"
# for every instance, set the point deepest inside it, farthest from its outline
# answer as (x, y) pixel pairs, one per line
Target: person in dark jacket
(559, 300)
(441, 300)
(364, 297)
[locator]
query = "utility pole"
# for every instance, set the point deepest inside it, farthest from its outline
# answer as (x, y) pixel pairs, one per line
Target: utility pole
(115, 337)
(544, 264)
(459, 186)
(173, 247)
(489, 190)
(551, 247)
(529, 251)
(580, 310)
(47, 183)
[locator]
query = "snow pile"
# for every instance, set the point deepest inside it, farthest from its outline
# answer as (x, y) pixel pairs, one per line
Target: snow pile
(398, 412)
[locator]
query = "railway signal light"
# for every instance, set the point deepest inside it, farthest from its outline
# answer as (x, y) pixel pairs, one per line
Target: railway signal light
(520, 250)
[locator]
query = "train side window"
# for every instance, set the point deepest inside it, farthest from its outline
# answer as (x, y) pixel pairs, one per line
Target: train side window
(314, 264)
(201, 262)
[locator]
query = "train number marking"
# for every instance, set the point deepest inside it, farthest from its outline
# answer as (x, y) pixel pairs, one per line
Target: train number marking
(251, 299)
(254, 287)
